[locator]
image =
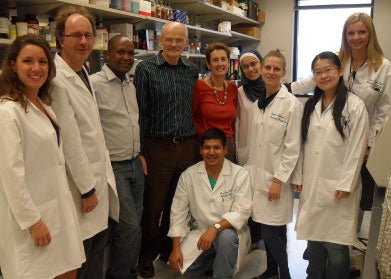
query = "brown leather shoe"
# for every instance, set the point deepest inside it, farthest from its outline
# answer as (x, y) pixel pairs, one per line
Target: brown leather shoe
(146, 269)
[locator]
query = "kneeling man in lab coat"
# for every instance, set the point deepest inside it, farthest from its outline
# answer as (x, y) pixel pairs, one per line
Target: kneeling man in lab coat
(209, 213)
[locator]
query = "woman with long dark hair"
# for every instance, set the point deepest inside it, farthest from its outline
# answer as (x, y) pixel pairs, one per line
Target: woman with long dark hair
(334, 135)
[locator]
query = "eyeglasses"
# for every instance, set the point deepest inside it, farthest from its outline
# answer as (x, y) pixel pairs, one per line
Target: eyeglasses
(247, 66)
(172, 40)
(78, 36)
(326, 71)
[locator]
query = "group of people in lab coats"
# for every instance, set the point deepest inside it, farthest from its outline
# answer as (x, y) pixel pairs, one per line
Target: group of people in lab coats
(317, 150)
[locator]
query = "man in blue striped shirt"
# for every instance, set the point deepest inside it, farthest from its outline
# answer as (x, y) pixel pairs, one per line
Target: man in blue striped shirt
(164, 88)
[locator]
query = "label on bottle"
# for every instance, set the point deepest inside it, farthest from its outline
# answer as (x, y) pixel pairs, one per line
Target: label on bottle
(145, 8)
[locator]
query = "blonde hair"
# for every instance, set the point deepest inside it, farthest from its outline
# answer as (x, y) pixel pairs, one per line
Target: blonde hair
(276, 53)
(374, 52)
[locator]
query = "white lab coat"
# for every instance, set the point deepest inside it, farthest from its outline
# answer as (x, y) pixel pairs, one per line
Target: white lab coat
(230, 199)
(330, 163)
(374, 88)
(33, 187)
(274, 147)
(245, 106)
(87, 159)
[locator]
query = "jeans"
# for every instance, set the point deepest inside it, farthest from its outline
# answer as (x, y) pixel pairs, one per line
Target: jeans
(221, 257)
(126, 235)
(328, 260)
(275, 241)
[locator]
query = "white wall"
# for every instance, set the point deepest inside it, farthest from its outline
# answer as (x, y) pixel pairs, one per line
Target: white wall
(382, 20)
(277, 32)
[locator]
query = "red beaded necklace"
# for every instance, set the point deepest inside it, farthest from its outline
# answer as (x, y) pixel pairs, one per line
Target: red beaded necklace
(221, 103)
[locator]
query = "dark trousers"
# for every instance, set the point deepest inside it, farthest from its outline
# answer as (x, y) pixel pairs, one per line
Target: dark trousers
(166, 161)
(256, 236)
(94, 248)
(271, 262)
(275, 243)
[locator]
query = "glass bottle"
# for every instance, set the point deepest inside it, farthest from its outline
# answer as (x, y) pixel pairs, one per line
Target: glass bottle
(153, 8)
(158, 10)
(162, 10)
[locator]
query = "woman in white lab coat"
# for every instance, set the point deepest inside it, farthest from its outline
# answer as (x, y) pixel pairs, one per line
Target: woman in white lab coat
(367, 73)
(252, 87)
(274, 147)
(39, 236)
(334, 136)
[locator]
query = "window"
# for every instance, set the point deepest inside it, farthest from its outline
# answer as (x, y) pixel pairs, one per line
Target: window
(318, 27)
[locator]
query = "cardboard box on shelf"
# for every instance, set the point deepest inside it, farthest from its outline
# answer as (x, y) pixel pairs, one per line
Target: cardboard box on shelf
(261, 16)
(250, 31)
(125, 29)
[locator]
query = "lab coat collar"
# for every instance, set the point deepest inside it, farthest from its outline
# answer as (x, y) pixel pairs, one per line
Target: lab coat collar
(225, 171)
(70, 73)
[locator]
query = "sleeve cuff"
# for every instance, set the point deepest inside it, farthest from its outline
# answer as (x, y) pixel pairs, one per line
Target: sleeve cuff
(88, 194)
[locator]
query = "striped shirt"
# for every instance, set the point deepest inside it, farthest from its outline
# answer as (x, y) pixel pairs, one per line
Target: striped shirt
(165, 95)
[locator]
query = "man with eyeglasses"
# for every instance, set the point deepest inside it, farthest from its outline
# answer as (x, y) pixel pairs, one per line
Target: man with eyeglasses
(89, 171)
(164, 88)
(118, 109)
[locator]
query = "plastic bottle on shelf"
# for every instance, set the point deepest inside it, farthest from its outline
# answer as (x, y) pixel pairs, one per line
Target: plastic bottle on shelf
(126, 5)
(32, 24)
(4, 27)
(12, 31)
(195, 46)
(52, 30)
(102, 37)
(116, 4)
(135, 6)
(169, 12)
(145, 7)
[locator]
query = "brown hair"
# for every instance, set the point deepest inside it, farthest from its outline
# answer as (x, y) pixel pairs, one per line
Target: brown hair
(66, 12)
(216, 46)
(374, 52)
(10, 84)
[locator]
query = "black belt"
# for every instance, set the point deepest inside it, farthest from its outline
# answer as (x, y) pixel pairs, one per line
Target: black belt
(124, 161)
(176, 139)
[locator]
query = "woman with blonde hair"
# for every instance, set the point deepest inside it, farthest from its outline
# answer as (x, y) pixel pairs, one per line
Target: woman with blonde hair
(366, 72)
(274, 147)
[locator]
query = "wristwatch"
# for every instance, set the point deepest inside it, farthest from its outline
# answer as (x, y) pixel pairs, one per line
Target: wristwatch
(217, 226)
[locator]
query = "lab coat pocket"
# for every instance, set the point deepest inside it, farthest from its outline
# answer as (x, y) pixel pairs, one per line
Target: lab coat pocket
(226, 200)
(325, 194)
(276, 131)
(50, 216)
